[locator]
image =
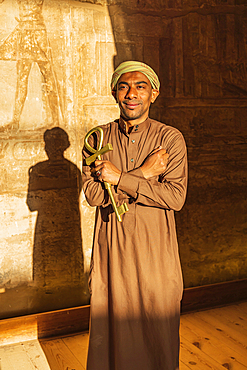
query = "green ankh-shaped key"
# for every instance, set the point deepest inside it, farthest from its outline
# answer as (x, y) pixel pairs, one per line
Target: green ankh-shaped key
(97, 155)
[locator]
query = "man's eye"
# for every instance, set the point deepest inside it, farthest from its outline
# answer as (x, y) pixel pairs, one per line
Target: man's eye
(141, 87)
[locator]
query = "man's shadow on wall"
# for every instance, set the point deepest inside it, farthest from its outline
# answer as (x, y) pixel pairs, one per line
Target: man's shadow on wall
(54, 191)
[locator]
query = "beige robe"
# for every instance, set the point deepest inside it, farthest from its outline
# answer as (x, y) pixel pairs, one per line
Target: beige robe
(135, 278)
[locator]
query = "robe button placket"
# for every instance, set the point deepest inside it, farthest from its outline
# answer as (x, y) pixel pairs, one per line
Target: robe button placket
(131, 150)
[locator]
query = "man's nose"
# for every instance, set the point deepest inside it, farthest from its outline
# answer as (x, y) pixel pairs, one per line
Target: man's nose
(132, 93)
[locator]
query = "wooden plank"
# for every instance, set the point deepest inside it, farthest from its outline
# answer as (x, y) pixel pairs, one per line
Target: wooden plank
(183, 366)
(17, 330)
(241, 309)
(228, 329)
(78, 344)
(63, 322)
(208, 330)
(59, 356)
(243, 306)
(190, 360)
(36, 355)
(214, 295)
(193, 356)
(14, 357)
(76, 319)
(44, 325)
(211, 345)
(234, 312)
(231, 318)
(204, 345)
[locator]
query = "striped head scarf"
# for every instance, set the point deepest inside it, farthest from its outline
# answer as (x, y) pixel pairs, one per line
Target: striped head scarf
(134, 66)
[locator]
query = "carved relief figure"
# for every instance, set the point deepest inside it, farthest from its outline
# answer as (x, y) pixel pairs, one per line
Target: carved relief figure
(28, 43)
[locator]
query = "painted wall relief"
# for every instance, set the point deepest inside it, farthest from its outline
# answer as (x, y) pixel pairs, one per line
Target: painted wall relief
(56, 59)
(27, 44)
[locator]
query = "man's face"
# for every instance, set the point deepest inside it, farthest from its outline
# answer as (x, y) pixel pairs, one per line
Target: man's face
(134, 95)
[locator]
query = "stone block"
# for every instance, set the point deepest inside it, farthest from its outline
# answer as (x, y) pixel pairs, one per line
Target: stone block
(128, 50)
(137, 25)
(97, 115)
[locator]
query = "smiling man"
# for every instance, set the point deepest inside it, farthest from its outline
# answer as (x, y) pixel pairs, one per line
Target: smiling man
(135, 279)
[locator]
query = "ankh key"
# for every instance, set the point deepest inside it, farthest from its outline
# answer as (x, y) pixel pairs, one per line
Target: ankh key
(97, 155)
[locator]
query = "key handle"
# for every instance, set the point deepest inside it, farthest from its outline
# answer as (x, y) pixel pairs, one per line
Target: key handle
(119, 211)
(99, 151)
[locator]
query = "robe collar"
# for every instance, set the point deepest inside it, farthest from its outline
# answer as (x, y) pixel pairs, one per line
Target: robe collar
(136, 128)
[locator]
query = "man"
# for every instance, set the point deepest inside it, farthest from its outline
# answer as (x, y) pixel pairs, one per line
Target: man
(135, 277)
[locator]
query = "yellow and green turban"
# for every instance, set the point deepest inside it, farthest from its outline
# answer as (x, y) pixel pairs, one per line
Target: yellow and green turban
(134, 66)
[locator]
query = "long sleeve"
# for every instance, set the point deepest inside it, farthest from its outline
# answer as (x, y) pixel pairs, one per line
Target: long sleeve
(93, 189)
(169, 191)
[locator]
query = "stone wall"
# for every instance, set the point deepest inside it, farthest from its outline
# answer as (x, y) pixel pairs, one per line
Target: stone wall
(56, 60)
(198, 49)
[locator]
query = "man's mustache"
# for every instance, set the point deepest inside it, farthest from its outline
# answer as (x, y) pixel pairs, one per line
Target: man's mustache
(127, 101)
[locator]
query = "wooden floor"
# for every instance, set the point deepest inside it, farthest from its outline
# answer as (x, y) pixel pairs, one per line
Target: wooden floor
(213, 339)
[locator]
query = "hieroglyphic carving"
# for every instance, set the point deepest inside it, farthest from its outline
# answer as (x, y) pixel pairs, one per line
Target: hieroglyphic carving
(3, 149)
(26, 150)
(214, 56)
(28, 43)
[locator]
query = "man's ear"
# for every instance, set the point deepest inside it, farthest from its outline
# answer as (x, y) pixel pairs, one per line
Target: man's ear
(155, 94)
(114, 94)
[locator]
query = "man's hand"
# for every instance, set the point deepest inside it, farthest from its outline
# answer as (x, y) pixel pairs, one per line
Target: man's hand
(155, 163)
(106, 171)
